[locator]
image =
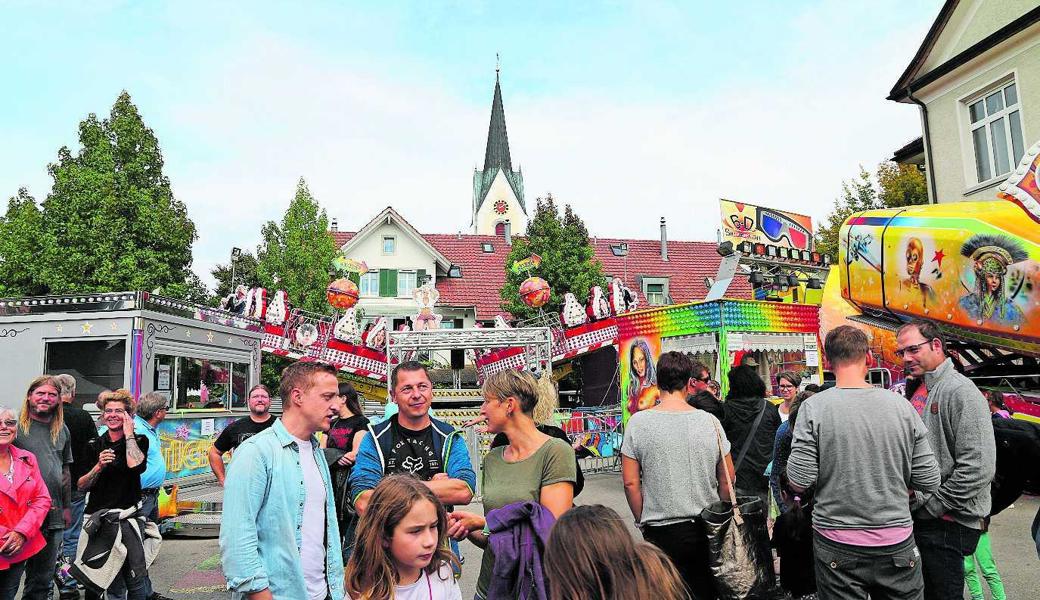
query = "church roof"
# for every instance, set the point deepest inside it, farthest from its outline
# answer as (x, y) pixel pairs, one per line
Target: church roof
(496, 156)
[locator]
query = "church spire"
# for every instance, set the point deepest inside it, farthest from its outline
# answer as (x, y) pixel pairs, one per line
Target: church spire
(497, 152)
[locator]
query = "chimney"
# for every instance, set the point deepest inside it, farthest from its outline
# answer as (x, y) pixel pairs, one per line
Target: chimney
(664, 240)
(508, 230)
(335, 224)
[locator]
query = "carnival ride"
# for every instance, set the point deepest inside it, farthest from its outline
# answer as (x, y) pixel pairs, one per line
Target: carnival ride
(971, 267)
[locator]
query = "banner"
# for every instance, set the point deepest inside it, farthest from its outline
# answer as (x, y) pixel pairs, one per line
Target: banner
(186, 442)
(749, 223)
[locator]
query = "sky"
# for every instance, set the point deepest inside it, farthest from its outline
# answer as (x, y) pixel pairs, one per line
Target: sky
(627, 111)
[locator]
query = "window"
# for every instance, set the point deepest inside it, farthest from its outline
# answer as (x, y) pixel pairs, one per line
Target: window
(406, 281)
(655, 293)
(369, 284)
(97, 365)
(996, 131)
(201, 383)
(655, 290)
(487, 247)
(389, 244)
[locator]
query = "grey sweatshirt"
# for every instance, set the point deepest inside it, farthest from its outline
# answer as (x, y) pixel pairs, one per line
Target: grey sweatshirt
(960, 431)
(863, 448)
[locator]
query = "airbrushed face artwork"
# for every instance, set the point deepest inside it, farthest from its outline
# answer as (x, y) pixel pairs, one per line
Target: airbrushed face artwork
(972, 265)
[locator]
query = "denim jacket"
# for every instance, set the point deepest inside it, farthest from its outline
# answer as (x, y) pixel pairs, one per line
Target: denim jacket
(261, 528)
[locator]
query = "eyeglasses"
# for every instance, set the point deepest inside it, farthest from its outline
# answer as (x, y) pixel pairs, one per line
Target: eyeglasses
(9, 423)
(114, 411)
(786, 386)
(911, 350)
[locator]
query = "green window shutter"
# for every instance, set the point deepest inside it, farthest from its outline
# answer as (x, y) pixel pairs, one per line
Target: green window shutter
(419, 275)
(388, 283)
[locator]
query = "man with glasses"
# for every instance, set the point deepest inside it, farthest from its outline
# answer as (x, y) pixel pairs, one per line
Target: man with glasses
(241, 430)
(948, 522)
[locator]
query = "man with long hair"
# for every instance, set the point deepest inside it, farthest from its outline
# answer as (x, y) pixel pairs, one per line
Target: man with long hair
(278, 490)
(42, 431)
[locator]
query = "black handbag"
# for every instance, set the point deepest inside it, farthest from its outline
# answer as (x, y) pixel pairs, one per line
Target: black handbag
(738, 545)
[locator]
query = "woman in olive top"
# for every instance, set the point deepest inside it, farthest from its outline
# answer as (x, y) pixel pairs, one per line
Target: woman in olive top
(532, 467)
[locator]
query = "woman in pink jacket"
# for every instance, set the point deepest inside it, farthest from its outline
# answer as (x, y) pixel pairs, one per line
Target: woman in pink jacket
(24, 503)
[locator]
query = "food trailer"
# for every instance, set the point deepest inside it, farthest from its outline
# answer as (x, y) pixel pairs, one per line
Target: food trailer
(204, 360)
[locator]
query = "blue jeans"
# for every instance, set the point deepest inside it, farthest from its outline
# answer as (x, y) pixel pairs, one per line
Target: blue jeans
(70, 539)
(39, 569)
(10, 578)
(943, 545)
(150, 509)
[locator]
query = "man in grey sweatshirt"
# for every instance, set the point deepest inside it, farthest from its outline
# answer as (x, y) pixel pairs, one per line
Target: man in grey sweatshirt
(948, 522)
(862, 448)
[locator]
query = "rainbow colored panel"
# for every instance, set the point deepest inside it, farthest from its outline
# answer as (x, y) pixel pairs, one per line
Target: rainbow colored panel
(737, 315)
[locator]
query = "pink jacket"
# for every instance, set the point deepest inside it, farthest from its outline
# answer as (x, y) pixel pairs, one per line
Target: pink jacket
(23, 506)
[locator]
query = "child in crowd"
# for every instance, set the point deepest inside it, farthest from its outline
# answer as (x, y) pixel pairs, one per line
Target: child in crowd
(793, 540)
(401, 550)
(591, 556)
(997, 408)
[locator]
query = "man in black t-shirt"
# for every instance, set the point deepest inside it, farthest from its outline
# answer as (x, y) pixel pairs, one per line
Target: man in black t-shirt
(241, 430)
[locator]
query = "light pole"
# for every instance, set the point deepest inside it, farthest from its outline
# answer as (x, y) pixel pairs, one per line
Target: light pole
(236, 253)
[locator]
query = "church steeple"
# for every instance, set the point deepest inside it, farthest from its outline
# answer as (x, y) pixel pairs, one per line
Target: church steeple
(498, 190)
(497, 152)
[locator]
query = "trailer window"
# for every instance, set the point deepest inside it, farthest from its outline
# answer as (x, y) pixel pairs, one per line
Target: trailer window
(97, 365)
(239, 385)
(193, 383)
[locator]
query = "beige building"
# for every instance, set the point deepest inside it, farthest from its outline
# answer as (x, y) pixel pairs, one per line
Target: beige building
(976, 81)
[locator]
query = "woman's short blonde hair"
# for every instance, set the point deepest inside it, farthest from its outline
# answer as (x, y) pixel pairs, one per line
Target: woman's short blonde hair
(120, 395)
(513, 384)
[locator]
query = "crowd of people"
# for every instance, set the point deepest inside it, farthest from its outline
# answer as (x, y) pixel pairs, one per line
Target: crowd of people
(63, 476)
(870, 494)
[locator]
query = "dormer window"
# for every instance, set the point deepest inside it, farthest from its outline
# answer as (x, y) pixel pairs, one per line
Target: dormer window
(487, 247)
(389, 244)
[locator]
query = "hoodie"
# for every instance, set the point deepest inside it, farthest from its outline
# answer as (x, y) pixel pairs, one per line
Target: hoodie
(740, 415)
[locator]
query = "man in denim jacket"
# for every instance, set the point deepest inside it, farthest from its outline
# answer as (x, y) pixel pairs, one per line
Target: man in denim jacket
(413, 442)
(278, 489)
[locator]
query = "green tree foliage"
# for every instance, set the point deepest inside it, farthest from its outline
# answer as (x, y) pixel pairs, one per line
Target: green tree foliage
(19, 247)
(111, 221)
(296, 255)
(245, 274)
(568, 259)
(897, 185)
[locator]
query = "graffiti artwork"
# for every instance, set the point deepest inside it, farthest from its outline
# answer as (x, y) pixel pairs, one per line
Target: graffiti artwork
(186, 442)
(749, 223)
(969, 265)
(641, 391)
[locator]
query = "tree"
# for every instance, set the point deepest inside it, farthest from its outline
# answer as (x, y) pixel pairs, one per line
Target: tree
(244, 271)
(111, 221)
(568, 259)
(19, 238)
(192, 289)
(901, 185)
(897, 185)
(296, 255)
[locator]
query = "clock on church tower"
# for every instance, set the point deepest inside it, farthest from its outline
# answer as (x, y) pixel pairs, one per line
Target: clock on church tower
(501, 207)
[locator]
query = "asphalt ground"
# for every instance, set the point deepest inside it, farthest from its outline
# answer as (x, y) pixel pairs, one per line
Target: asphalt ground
(189, 568)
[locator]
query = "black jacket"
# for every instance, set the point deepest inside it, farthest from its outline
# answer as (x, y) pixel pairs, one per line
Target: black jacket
(740, 414)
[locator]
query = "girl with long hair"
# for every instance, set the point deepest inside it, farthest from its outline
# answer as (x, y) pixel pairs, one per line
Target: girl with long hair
(401, 549)
(591, 556)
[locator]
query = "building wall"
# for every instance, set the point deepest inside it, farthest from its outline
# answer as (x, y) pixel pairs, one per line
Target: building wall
(970, 23)
(409, 255)
(487, 217)
(952, 152)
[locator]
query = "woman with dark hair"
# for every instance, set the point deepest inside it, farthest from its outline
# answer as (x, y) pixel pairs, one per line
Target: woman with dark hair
(787, 387)
(341, 444)
(750, 423)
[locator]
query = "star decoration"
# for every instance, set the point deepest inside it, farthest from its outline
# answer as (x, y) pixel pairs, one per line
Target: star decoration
(187, 333)
(59, 327)
(939, 256)
(209, 337)
(229, 340)
(87, 327)
(115, 325)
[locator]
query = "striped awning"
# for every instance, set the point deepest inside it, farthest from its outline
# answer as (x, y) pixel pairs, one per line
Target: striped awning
(702, 342)
(736, 340)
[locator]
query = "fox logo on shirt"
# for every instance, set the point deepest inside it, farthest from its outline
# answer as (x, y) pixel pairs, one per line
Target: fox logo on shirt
(412, 464)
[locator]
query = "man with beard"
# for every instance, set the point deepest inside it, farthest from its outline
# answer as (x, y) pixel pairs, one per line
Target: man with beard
(241, 430)
(278, 534)
(42, 431)
(948, 522)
